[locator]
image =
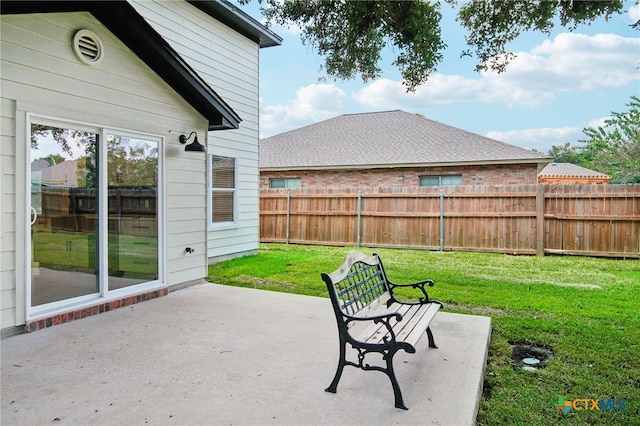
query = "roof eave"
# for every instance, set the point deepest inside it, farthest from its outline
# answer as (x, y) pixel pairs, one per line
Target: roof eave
(148, 45)
(233, 17)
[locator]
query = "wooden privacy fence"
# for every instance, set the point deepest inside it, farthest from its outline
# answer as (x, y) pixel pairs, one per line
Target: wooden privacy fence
(132, 211)
(592, 220)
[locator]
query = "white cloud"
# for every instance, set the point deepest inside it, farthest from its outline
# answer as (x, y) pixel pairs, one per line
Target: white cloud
(279, 28)
(440, 90)
(544, 138)
(598, 122)
(291, 29)
(539, 139)
(283, 30)
(568, 63)
(634, 13)
(582, 62)
(315, 102)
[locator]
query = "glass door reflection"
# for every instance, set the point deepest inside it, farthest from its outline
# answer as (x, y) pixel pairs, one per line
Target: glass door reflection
(63, 209)
(132, 178)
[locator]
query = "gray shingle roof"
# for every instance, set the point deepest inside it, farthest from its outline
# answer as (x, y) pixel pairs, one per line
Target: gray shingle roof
(568, 169)
(383, 139)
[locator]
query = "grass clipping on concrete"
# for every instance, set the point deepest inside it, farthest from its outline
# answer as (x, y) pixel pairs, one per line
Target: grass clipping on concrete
(586, 311)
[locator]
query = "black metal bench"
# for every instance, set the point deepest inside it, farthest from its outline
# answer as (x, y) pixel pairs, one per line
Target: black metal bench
(372, 320)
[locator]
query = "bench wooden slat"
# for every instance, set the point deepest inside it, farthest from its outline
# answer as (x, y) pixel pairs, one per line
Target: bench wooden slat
(415, 320)
(415, 329)
(374, 333)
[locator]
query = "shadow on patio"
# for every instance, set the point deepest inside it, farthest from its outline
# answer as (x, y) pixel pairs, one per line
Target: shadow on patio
(212, 354)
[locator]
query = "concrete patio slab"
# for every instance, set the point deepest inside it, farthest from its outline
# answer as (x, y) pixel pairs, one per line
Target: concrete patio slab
(212, 354)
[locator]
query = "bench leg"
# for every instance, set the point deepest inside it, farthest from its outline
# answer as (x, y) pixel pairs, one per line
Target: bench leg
(432, 343)
(341, 363)
(399, 402)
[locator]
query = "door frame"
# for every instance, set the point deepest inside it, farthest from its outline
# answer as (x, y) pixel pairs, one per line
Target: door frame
(103, 294)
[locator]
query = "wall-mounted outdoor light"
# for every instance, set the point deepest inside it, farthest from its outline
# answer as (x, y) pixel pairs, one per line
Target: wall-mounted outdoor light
(193, 146)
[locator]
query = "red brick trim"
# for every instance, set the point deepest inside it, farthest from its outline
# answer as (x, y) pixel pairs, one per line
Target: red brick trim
(93, 310)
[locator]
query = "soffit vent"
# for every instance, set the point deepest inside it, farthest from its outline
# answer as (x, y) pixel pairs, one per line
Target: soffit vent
(88, 47)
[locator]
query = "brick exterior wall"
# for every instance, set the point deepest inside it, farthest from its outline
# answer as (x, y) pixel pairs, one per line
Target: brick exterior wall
(502, 174)
(93, 310)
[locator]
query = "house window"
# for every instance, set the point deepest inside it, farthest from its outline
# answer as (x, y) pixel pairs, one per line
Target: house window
(222, 189)
(441, 180)
(285, 183)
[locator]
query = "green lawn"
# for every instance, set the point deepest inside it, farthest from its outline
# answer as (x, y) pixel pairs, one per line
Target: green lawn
(586, 310)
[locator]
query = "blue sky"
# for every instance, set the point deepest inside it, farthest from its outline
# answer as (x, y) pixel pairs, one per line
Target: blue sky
(557, 86)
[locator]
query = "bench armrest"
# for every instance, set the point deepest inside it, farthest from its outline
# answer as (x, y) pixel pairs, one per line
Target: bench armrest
(423, 296)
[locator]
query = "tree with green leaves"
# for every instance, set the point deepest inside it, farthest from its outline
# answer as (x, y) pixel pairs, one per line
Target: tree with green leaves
(131, 163)
(566, 153)
(53, 159)
(350, 35)
(64, 137)
(614, 148)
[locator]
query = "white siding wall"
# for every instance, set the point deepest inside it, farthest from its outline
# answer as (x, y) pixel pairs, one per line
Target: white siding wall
(41, 75)
(7, 214)
(228, 62)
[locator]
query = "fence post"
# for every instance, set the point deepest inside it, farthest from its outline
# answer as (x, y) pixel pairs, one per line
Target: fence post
(441, 220)
(288, 213)
(359, 217)
(540, 219)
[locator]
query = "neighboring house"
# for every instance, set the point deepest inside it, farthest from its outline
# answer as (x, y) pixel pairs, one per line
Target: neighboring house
(391, 149)
(61, 174)
(571, 174)
(110, 87)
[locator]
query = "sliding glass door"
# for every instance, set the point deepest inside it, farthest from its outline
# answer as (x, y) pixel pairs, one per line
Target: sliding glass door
(94, 213)
(64, 200)
(132, 174)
